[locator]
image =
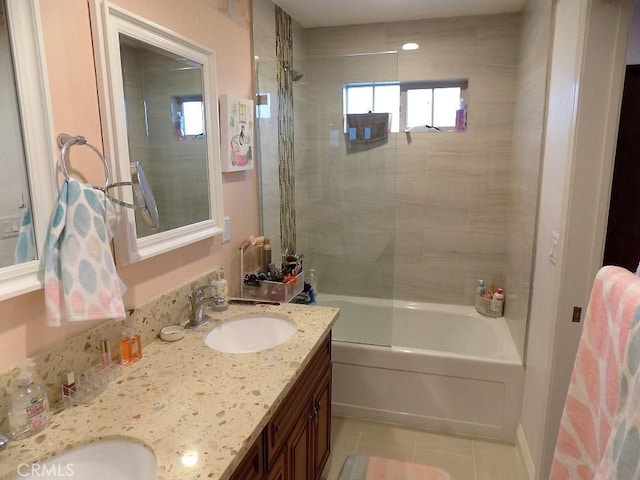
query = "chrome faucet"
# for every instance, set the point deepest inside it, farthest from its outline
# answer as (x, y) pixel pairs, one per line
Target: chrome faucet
(4, 441)
(199, 301)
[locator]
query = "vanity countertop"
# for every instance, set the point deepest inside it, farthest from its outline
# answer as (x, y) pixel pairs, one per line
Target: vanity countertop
(185, 400)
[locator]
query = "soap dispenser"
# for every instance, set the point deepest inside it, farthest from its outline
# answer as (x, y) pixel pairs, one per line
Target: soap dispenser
(28, 408)
(220, 285)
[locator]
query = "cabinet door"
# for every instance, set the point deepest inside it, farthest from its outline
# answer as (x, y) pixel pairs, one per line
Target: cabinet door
(299, 446)
(322, 424)
(278, 470)
(252, 466)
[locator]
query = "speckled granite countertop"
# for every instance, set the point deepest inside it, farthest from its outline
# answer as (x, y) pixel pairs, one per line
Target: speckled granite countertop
(184, 398)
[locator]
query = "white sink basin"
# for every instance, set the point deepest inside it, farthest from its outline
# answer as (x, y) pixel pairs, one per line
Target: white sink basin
(101, 460)
(250, 333)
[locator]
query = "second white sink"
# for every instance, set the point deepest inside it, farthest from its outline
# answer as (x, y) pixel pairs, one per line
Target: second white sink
(101, 460)
(250, 333)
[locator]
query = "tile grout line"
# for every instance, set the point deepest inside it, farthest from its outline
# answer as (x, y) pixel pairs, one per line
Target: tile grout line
(475, 463)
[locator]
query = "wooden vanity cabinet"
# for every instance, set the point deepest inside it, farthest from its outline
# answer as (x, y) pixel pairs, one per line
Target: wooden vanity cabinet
(297, 440)
(252, 465)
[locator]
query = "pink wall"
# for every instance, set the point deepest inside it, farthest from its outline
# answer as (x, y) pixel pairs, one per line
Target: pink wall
(74, 100)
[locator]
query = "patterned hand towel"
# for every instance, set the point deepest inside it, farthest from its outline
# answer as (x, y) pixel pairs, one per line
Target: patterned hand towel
(598, 437)
(26, 245)
(81, 282)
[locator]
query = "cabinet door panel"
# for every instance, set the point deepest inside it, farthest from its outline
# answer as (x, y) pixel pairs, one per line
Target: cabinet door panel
(278, 470)
(299, 445)
(252, 466)
(287, 415)
(322, 400)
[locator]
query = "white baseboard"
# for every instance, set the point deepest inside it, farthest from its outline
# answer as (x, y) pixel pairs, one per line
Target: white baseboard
(524, 455)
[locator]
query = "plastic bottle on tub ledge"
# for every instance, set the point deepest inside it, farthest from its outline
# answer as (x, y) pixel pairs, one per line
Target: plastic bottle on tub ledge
(497, 302)
(480, 288)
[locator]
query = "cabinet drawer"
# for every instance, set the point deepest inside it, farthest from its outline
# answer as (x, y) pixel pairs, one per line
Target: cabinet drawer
(296, 401)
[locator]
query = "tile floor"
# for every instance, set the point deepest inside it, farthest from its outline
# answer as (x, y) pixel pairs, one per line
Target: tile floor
(463, 458)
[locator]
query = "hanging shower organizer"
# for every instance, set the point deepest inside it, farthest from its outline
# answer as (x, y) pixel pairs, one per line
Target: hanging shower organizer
(143, 196)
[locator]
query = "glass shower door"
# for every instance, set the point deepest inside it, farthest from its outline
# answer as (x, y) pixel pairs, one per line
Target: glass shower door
(346, 205)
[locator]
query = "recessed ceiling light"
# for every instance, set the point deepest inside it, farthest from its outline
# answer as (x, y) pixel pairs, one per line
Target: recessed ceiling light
(410, 46)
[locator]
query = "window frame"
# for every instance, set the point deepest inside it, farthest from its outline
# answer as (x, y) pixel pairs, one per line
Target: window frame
(461, 83)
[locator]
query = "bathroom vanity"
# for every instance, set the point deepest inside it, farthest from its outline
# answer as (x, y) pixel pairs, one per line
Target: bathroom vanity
(295, 443)
(210, 414)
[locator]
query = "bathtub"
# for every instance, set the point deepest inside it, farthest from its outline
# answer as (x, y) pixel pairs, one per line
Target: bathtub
(447, 368)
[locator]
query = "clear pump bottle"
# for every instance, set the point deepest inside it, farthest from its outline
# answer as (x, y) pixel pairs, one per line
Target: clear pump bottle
(29, 408)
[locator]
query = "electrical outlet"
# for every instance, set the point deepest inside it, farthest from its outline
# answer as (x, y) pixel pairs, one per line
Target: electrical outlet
(226, 234)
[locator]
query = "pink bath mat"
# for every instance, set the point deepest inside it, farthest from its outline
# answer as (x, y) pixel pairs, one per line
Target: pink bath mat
(364, 467)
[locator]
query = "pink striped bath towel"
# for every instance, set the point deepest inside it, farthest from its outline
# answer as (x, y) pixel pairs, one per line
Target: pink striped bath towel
(598, 437)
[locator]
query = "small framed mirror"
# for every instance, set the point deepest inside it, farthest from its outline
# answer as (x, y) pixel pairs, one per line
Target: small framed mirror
(159, 102)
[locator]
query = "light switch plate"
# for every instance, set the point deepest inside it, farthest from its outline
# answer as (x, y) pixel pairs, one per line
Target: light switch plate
(226, 233)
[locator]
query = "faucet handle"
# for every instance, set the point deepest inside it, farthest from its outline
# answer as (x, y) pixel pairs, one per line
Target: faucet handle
(199, 293)
(4, 441)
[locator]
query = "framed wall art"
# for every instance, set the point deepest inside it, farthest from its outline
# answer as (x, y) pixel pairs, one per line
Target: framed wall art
(236, 133)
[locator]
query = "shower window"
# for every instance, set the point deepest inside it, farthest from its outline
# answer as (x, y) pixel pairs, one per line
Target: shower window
(411, 104)
(373, 98)
(188, 116)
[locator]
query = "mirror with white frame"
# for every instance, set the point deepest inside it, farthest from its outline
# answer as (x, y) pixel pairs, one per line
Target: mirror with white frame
(158, 93)
(28, 154)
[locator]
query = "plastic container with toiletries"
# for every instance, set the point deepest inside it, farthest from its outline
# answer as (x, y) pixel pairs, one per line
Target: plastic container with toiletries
(28, 408)
(130, 347)
(487, 303)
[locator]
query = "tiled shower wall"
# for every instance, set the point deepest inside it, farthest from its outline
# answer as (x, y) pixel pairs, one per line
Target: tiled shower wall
(450, 213)
(418, 220)
(267, 72)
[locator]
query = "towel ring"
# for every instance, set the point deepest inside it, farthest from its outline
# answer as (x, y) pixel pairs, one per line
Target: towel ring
(142, 194)
(65, 142)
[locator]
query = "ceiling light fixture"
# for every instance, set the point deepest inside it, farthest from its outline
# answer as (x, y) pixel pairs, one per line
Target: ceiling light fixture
(410, 46)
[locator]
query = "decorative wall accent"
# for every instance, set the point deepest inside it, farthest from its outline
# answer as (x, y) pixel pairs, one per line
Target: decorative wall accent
(236, 133)
(284, 56)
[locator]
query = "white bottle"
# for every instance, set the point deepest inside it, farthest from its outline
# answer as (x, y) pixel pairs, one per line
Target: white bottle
(220, 285)
(480, 288)
(497, 302)
(28, 408)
